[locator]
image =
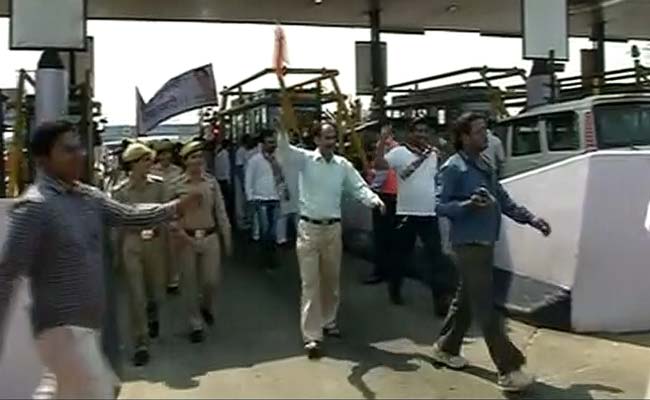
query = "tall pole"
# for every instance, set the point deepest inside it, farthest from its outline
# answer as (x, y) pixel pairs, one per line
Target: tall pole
(3, 189)
(598, 38)
(377, 68)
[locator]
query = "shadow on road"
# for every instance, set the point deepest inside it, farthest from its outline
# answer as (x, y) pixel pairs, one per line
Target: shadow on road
(541, 390)
(258, 320)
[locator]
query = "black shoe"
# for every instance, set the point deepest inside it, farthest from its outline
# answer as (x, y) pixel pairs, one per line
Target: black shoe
(332, 331)
(396, 298)
(313, 350)
(197, 336)
(373, 280)
(141, 357)
(207, 317)
(154, 329)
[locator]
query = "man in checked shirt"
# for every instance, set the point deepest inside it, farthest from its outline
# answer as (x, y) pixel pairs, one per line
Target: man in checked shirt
(55, 238)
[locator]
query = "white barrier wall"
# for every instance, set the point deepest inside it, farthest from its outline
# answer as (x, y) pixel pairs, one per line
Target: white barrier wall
(612, 290)
(599, 249)
(20, 368)
(556, 193)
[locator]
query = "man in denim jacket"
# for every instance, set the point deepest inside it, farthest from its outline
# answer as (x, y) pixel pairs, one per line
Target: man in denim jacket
(473, 199)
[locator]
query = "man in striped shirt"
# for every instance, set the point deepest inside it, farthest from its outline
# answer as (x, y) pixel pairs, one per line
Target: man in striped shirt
(55, 238)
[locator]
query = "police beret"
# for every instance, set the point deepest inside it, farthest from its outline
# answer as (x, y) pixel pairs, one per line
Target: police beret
(136, 151)
(164, 145)
(192, 147)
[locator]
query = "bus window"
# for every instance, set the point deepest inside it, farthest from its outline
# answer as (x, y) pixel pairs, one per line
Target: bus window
(562, 132)
(622, 125)
(525, 139)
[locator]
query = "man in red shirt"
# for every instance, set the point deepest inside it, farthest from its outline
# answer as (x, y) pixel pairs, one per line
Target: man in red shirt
(384, 183)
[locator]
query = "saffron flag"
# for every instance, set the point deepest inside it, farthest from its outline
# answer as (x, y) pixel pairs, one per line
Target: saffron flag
(280, 51)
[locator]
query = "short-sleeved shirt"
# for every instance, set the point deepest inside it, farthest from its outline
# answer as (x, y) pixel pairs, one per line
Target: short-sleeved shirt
(416, 195)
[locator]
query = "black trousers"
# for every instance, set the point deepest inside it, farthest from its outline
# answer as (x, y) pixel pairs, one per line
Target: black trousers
(475, 300)
(383, 226)
(440, 273)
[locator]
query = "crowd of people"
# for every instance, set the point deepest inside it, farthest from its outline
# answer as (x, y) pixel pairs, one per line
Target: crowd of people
(173, 226)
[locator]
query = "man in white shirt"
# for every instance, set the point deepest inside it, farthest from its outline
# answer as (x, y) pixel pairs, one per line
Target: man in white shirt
(416, 165)
(289, 209)
(324, 178)
(222, 172)
(266, 186)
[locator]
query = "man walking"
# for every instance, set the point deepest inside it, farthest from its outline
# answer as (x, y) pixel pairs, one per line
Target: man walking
(324, 178)
(416, 165)
(55, 237)
(266, 186)
(474, 200)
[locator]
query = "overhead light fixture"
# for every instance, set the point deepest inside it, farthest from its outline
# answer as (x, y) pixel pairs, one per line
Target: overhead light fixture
(318, 2)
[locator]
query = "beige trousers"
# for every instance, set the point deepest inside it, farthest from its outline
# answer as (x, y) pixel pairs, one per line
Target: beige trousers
(144, 263)
(75, 365)
(319, 256)
(200, 264)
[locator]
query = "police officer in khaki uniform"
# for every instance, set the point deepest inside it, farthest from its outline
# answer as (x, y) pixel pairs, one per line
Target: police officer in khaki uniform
(142, 250)
(198, 231)
(169, 173)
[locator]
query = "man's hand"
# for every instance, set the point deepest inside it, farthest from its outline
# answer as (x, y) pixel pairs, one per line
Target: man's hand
(541, 225)
(380, 205)
(189, 201)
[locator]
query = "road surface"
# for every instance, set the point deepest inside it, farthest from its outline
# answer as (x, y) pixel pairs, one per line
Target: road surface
(255, 349)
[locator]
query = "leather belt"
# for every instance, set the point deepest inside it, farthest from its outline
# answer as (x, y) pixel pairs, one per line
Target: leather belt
(200, 233)
(323, 222)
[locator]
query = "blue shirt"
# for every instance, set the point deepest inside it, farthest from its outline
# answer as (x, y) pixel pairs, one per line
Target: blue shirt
(460, 178)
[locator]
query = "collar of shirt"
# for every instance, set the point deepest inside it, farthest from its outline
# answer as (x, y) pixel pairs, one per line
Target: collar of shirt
(56, 184)
(318, 156)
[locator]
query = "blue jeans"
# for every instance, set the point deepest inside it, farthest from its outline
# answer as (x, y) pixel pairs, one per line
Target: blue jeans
(267, 213)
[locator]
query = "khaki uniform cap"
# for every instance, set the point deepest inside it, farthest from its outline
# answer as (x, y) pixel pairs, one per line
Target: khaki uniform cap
(136, 151)
(191, 147)
(164, 145)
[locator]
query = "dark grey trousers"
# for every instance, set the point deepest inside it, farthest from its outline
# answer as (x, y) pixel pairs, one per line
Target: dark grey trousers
(474, 298)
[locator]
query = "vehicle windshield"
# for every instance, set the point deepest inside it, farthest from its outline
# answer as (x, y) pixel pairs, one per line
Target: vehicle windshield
(623, 125)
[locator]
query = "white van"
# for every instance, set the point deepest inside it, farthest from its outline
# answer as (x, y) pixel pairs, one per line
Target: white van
(553, 132)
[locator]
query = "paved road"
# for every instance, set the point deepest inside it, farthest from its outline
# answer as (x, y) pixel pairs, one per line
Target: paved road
(255, 349)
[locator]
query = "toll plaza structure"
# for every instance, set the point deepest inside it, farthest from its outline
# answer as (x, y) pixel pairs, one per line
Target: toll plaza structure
(255, 351)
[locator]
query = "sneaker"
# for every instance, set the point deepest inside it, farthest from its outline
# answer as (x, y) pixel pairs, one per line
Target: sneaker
(516, 381)
(313, 350)
(448, 360)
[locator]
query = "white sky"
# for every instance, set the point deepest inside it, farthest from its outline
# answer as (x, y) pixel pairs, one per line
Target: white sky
(149, 53)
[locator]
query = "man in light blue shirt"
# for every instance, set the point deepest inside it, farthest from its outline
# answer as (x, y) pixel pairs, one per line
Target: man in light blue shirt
(324, 178)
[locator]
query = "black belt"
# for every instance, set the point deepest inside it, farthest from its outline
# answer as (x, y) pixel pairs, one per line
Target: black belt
(325, 222)
(199, 233)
